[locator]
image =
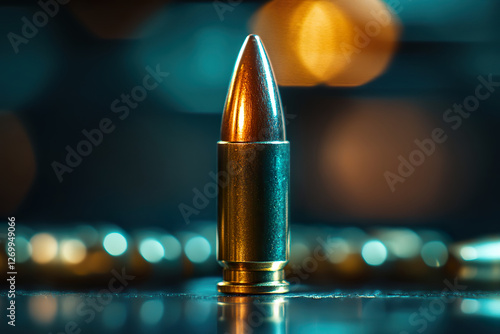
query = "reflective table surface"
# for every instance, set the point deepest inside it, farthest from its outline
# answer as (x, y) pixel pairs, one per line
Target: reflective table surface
(196, 307)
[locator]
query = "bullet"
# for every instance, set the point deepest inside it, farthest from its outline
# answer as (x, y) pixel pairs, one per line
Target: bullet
(254, 160)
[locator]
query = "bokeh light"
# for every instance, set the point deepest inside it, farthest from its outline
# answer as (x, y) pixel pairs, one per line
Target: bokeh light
(24, 79)
(16, 176)
(469, 305)
(491, 307)
(338, 249)
(202, 49)
(374, 253)
(298, 251)
(44, 248)
(482, 251)
(434, 253)
(152, 312)
(172, 247)
(115, 244)
(23, 249)
(322, 25)
(197, 249)
(403, 242)
(339, 43)
(73, 251)
(468, 253)
(366, 141)
(88, 234)
(486, 307)
(151, 250)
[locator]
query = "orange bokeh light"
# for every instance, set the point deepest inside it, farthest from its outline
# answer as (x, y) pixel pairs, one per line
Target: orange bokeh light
(18, 168)
(338, 43)
(366, 142)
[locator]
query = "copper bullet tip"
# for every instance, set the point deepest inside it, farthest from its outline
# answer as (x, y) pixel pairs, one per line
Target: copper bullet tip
(253, 111)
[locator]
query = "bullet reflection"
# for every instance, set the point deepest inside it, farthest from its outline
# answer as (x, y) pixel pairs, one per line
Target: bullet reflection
(242, 314)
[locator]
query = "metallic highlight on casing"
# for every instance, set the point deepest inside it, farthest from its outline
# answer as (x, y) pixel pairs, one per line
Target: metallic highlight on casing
(254, 160)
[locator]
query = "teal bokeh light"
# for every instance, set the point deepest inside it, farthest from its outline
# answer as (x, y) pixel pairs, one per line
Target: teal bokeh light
(151, 250)
(115, 244)
(27, 68)
(197, 49)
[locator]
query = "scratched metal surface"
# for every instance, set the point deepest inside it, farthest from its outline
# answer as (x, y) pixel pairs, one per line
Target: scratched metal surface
(196, 307)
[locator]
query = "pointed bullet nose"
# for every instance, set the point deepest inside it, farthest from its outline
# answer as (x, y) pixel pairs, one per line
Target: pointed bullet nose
(253, 111)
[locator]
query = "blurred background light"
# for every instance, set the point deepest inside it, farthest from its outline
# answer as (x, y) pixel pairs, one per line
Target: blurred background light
(151, 312)
(488, 307)
(434, 253)
(322, 25)
(468, 253)
(172, 247)
(199, 57)
(491, 307)
(151, 250)
(339, 43)
(25, 78)
(365, 140)
(402, 242)
(197, 249)
(482, 251)
(374, 253)
(115, 244)
(73, 251)
(469, 305)
(44, 248)
(338, 250)
(298, 251)
(23, 249)
(88, 234)
(17, 176)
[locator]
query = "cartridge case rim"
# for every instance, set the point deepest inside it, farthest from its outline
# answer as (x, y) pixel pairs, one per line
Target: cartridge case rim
(274, 287)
